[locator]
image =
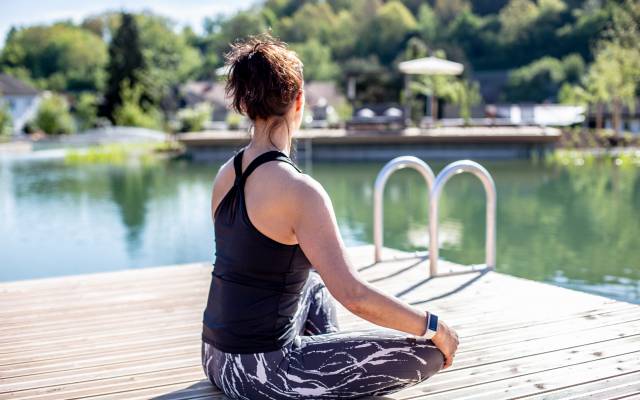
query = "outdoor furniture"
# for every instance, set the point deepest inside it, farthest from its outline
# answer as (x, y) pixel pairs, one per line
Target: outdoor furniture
(377, 116)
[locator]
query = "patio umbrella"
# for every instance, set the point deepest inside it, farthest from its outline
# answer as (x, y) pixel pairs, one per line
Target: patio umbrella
(429, 66)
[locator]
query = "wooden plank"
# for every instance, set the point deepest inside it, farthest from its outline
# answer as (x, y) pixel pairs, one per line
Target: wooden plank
(136, 334)
(520, 386)
(617, 387)
(65, 362)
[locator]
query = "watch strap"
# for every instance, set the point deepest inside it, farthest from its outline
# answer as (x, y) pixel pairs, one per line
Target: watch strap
(432, 325)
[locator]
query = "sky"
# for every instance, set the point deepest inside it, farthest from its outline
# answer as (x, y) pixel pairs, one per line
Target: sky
(183, 12)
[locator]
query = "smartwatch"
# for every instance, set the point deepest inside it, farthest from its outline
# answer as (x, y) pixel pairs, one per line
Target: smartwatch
(432, 325)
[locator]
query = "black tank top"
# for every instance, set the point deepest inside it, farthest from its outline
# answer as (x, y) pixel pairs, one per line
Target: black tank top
(256, 281)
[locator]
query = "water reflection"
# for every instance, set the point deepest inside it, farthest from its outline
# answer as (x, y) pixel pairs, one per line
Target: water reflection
(569, 226)
(130, 190)
(577, 227)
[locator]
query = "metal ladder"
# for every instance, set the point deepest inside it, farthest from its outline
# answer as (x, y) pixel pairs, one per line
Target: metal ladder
(435, 187)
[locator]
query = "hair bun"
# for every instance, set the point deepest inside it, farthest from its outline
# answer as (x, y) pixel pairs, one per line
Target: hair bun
(264, 77)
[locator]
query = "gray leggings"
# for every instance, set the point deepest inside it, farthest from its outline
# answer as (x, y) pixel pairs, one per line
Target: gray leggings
(323, 363)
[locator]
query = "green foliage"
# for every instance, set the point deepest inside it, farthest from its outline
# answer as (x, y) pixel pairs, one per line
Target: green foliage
(318, 64)
(541, 80)
(466, 95)
(86, 111)
(222, 31)
(131, 113)
(55, 57)
(441, 86)
(53, 116)
(546, 43)
(614, 77)
(126, 64)
(114, 154)
(516, 18)
(194, 119)
(6, 123)
(573, 95)
(168, 57)
(428, 23)
(392, 26)
(448, 10)
(233, 120)
(311, 21)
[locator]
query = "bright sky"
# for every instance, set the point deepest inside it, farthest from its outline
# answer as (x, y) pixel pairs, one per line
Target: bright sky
(184, 12)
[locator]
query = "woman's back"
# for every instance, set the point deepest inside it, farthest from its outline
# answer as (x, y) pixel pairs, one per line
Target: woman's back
(256, 282)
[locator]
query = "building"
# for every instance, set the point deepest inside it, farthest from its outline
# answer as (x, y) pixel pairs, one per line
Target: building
(322, 100)
(21, 99)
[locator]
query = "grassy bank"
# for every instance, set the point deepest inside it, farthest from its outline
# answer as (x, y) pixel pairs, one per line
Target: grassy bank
(122, 153)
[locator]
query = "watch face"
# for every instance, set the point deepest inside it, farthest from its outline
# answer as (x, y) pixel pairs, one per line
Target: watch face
(433, 323)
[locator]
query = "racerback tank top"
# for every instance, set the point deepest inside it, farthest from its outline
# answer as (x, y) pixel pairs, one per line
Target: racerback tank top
(256, 282)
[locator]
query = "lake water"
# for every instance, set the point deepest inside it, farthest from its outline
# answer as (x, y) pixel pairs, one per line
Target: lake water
(577, 227)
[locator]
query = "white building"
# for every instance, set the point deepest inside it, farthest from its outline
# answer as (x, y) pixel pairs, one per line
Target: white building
(21, 100)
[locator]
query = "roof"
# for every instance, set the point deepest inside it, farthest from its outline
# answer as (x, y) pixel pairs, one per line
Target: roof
(322, 92)
(209, 91)
(430, 66)
(10, 86)
(317, 92)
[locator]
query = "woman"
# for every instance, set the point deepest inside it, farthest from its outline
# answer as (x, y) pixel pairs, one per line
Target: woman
(270, 328)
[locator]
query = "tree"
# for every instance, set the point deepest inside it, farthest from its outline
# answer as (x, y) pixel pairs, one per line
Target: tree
(427, 24)
(318, 64)
(126, 63)
(168, 57)
(435, 86)
(447, 10)
(311, 21)
(391, 27)
(541, 80)
(614, 78)
(53, 116)
(516, 18)
(466, 94)
(56, 57)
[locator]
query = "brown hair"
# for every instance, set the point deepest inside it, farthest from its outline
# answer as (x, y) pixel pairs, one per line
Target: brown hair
(264, 77)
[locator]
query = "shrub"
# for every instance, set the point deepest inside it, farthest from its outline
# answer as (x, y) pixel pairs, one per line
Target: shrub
(86, 111)
(233, 120)
(6, 124)
(194, 119)
(53, 116)
(131, 113)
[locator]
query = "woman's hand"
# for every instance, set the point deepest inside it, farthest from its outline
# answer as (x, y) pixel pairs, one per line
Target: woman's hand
(446, 340)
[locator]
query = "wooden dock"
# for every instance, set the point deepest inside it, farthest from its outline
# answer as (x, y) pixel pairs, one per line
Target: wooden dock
(136, 335)
(484, 142)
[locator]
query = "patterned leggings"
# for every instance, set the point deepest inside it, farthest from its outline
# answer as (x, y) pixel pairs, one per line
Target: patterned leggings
(322, 363)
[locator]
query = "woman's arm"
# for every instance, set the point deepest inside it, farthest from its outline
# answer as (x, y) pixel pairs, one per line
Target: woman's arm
(316, 228)
(317, 232)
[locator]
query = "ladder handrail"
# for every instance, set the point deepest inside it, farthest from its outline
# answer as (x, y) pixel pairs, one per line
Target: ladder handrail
(491, 198)
(378, 193)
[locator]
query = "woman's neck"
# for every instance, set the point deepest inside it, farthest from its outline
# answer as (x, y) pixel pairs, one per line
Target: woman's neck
(278, 138)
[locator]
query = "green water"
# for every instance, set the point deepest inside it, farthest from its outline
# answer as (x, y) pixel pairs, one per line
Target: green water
(577, 227)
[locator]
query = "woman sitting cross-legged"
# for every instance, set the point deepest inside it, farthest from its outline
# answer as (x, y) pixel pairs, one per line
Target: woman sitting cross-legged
(270, 329)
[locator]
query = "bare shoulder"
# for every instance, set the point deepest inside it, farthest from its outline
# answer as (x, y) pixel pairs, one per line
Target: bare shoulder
(290, 186)
(225, 175)
(307, 193)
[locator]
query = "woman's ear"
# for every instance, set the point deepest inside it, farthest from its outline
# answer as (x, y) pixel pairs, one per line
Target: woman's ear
(299, 100)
